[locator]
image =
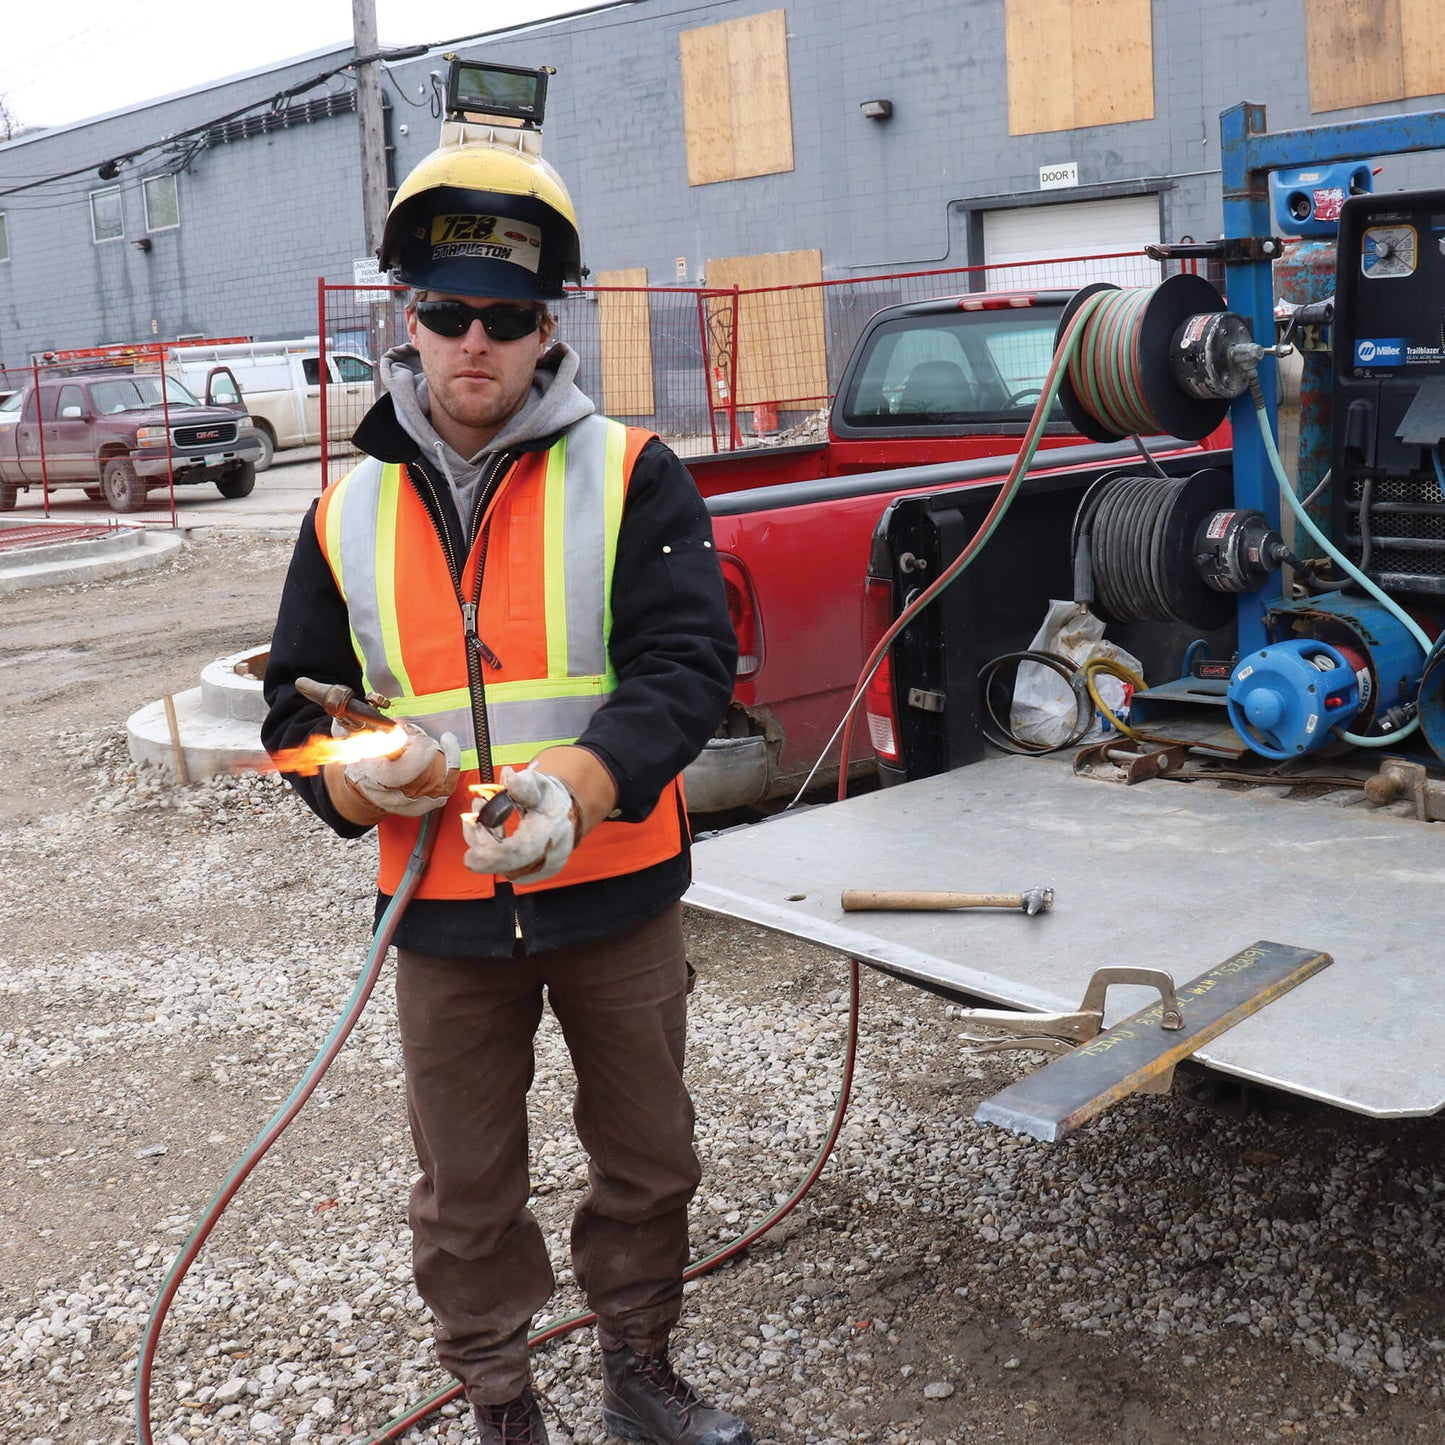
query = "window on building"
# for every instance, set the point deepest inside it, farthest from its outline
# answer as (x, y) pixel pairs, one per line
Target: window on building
(4, 239)
(107, 221)
(736, 101)
(163, 209)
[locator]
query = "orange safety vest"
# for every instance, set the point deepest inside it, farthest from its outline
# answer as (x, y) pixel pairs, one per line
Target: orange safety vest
(544, 615)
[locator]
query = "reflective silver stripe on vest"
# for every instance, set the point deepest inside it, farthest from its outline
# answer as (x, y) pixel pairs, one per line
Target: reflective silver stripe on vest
(360, 508)
(511, 724)
(585, 544)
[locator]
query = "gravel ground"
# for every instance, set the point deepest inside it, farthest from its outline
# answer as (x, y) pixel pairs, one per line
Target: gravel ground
(170, 959)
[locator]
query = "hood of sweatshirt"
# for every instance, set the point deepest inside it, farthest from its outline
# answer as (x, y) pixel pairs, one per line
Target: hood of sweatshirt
(553, 404)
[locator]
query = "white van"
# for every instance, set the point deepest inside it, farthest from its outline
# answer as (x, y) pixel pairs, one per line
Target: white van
(280, 384)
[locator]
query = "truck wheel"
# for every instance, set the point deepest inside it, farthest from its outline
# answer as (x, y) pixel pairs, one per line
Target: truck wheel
(125, 491)
(8, 493)
(268, 447)
(240, 481)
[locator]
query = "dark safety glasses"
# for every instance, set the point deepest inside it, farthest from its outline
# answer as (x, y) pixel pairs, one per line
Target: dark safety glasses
(500, 321)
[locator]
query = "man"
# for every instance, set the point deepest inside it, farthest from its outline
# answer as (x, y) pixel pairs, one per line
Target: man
(534, 587)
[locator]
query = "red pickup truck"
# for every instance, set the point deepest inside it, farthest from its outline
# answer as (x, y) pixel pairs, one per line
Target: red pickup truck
(108, 433)
(933, 394)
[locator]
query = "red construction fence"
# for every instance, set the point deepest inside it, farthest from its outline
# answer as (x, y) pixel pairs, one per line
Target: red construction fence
(712, 369)
(708, 369)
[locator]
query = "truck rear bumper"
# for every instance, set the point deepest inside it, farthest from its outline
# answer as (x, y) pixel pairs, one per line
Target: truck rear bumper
(728, 773)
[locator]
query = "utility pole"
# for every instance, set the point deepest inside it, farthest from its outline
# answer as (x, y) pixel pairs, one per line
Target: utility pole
(373, 165)
(369, 119)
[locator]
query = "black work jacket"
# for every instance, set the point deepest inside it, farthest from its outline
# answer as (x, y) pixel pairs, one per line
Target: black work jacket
(672, 647)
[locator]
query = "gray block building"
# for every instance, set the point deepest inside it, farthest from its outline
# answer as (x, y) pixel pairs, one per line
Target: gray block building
(740, 141)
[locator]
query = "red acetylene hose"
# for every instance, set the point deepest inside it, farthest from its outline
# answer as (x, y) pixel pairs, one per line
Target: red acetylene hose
(395, 1428)
(272, 1131)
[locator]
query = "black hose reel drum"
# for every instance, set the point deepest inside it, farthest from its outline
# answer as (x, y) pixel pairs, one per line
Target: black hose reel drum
(1160, 549)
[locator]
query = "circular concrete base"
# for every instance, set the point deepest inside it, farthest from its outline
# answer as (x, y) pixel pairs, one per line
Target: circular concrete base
(219, 722)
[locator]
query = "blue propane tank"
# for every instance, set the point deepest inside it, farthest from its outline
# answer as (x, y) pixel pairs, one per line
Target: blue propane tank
(1288, 698)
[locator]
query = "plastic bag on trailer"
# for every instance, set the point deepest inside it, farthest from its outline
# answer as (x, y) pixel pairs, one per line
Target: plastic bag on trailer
(1044, 711)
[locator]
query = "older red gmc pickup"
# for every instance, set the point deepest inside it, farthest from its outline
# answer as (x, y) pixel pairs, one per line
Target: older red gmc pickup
(107, 432)
(934, 394)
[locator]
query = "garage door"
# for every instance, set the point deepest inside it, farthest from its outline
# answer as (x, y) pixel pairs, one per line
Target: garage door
(1084, 228)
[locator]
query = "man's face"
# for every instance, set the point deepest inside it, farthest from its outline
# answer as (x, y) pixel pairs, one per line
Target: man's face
(476, 383)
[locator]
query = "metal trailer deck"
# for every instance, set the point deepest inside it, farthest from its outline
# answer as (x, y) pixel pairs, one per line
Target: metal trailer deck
(1161, 874)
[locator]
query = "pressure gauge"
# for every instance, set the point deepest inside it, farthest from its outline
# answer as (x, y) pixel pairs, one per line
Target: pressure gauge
(1387, 251)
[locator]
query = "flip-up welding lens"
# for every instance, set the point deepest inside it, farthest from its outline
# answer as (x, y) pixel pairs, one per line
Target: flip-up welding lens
(501, 322)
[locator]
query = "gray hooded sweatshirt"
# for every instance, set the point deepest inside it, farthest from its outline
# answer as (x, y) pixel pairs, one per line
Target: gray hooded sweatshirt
(553, 404)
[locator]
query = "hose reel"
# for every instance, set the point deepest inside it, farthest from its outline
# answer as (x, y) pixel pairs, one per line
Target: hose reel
(1157, 548)
(1169, 549)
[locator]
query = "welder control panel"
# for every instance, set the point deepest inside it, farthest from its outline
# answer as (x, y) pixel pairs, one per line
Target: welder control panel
(1388, 407)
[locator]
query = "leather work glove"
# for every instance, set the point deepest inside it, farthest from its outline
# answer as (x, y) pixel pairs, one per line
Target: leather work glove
(416, 780)
(578, 786)
(541, 843)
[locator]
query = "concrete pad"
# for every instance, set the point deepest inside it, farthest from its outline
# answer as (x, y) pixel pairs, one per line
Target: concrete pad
(65, 563)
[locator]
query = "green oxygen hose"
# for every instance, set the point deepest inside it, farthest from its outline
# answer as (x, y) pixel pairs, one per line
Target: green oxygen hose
(305, 1087)
(1358, 740)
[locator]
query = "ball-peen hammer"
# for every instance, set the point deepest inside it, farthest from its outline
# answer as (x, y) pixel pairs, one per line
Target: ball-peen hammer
(869, 900)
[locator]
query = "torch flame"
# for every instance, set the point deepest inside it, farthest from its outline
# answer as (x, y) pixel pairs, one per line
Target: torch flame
(318, 750)
(484, 793)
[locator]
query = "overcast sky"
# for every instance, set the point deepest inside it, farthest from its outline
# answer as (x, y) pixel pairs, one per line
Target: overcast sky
(67, 62)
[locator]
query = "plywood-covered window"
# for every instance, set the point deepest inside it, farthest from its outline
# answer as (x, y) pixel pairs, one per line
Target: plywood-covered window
(1365, 51)
(1074, 63)
(624, 321)
(737, 111)
(780, 341)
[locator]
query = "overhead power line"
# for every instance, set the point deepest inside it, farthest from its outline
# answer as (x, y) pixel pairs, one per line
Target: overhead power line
(109, 167)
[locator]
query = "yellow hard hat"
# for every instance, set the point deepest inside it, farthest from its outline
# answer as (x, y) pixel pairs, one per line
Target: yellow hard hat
(483, 220)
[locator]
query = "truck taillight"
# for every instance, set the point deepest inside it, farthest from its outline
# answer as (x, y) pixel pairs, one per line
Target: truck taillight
(743, 612)
(878, 702)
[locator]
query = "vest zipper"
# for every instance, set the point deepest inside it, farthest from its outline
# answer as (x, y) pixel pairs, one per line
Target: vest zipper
(477, 650)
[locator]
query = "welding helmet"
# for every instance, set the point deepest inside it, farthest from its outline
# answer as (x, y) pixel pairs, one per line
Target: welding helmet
(483, 220)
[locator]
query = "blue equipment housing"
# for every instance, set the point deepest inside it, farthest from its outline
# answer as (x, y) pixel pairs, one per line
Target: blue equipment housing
(1306, 200)
(1335, 663)
(1288, 698)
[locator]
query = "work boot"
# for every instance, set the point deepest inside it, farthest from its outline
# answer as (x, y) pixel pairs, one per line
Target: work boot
(518, 1422)
(644, 1398)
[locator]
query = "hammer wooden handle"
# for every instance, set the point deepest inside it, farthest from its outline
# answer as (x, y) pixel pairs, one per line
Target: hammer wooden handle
(869, 900)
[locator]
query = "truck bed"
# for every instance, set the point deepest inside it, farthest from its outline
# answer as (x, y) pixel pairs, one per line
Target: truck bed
(1169, 875)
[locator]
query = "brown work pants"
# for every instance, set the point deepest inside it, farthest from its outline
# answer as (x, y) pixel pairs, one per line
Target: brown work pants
(478, 1254)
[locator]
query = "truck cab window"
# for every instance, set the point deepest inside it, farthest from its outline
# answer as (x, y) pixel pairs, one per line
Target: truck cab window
(913, 370)
(311, 370)
(352, 368)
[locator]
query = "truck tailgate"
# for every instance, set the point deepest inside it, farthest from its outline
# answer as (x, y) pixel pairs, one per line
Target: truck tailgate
(1167, 875)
